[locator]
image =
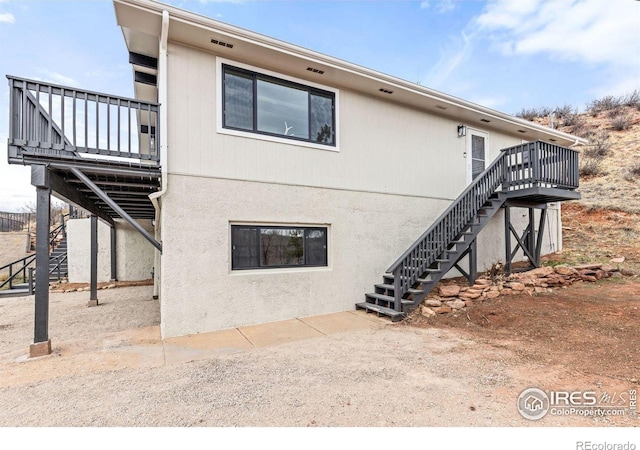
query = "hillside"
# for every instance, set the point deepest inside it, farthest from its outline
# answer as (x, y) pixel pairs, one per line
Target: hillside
(605, 223)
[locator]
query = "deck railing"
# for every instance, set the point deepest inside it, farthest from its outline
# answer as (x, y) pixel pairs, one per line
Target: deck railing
(535, 164)
(62, 121)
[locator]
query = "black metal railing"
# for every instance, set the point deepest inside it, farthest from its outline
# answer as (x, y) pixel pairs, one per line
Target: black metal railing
(18, 271)
(21, 270)
(535, 164)
(64, 121)
(14, 221)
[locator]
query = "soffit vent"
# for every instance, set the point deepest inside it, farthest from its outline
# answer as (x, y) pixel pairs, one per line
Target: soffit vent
(441, 107)
(521, 131)
(222, 44)
(318, 71)
(386, 91)
(485, 120)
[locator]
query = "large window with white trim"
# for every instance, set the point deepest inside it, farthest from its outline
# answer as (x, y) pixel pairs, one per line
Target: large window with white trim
(261, 247)
(267, 105)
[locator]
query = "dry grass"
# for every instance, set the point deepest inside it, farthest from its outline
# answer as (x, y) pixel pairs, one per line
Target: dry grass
(610, 171)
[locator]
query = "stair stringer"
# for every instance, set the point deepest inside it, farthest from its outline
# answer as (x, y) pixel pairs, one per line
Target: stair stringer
(383, 300)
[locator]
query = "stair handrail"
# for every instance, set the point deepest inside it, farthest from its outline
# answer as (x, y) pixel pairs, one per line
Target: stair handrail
(53, 234)
(532, 164)
(449, 225)
(25, 263)
(58, 262)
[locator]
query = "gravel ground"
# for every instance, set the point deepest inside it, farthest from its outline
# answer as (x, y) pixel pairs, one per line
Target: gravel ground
(107, 369)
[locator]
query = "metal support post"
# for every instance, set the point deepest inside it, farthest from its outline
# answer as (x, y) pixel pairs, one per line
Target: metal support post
(41, 343)
(113, 253)
(507, 239)
(473, 262)
(93, 299)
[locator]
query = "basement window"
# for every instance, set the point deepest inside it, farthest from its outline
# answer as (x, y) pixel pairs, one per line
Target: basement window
(266, 105)
(265, 247)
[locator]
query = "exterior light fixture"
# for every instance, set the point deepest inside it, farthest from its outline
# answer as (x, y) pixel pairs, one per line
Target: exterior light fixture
(462, 130)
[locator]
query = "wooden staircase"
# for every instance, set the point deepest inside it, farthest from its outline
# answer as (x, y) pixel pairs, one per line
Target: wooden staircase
(535, 172)
(382, 301)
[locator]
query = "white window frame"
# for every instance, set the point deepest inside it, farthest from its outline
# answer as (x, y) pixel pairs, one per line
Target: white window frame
(281, 140)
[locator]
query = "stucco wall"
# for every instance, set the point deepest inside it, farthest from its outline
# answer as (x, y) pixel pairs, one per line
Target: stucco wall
(383, 147)
(367, 232)
(79, 251)
(134, 255)
(395, 170)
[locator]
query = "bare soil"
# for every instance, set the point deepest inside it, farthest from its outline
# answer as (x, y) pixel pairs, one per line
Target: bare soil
(589, 328)
(109, 366)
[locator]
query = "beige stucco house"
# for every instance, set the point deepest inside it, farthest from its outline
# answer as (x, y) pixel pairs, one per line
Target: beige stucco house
(290, 180)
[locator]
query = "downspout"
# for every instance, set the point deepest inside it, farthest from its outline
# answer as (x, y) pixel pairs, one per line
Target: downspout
(162, 100)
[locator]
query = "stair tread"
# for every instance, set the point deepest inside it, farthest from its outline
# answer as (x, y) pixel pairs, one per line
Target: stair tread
(381, 310)
(380, 297)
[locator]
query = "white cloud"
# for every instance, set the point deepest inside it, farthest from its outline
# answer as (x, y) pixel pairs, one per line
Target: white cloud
(440, 6)
(451, 58)
(7, 18)
(57, 78)
(15, 182)
(593, 32)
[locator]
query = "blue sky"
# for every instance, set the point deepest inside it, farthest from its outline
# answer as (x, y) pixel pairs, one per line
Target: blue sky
(504, 54)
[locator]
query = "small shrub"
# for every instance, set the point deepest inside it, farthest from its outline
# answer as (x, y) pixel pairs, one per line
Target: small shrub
(562, 112)
(621, 122)
(599, 145)
(533, 113)
(632, 172)
(572, 119)
(590, 166)
(607, 103)
(633, 99)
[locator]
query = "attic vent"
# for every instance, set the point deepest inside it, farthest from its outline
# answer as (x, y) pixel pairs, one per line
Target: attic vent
(485, 120)
(386, 91)
(552, 140)
(223, 44)
(318, 71)
(441, 107)
(521, 131)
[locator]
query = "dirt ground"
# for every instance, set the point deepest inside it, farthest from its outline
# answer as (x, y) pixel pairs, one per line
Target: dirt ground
(590, 328)
(109, 366)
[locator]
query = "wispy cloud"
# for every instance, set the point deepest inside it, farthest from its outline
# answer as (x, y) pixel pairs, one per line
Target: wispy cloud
(452, 56)
(593, 32)
(7, 18)
(57, 78)
(440, 6)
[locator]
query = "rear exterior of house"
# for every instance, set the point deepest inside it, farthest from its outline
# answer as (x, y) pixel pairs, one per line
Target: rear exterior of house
(295, 179)
(290, 181)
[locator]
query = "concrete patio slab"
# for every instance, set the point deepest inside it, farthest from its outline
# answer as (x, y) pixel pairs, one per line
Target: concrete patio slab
(275, 333)
(203, 345)
(340, 322)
